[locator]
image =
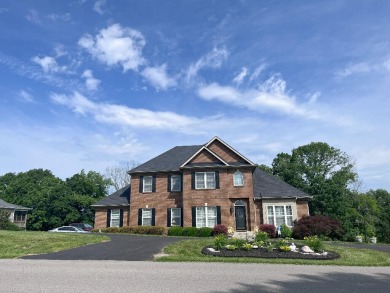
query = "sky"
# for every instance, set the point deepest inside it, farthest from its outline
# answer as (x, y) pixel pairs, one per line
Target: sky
(95, 84)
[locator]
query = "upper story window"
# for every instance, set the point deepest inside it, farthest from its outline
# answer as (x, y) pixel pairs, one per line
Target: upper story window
(238, 178)
(175, 183)
(205, 180)
(148, 183)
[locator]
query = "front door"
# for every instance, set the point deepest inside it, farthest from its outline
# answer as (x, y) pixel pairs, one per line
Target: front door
(240, 217)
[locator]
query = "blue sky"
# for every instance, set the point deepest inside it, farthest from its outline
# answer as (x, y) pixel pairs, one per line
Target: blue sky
(91, 84)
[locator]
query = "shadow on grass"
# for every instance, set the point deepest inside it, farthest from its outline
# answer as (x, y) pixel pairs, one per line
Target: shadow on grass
(327, 282)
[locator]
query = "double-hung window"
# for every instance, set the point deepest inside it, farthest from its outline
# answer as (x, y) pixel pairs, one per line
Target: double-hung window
(146, 217)
(176, 183)
(148, 184)
(175, 217)
(115, 218)
(206, 217)
(205, 180)
(280, 214)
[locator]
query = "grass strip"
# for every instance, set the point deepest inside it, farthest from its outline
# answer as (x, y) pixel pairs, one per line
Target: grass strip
(15, 244)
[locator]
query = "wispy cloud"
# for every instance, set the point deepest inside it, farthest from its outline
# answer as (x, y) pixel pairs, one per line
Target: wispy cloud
(99, 6)
(63, 17)
(116, 45)
(33, 17)
(239, 78)
(49, 64)
(26, 96)
(91, 83)
(213, 59)
(351, 69)
(158, 77)
(271, 96)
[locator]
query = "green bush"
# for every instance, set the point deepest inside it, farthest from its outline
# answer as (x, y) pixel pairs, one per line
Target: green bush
(220, 241)
(144, 230)
(261, 236)
(285, 231)
(190, 231)
(205, 232)
(238, 242)
(314, 243)
(175, 231)
(279, 243)
(5, 223)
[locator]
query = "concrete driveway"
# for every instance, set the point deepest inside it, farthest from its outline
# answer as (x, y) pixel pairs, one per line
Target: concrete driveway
(121, 247)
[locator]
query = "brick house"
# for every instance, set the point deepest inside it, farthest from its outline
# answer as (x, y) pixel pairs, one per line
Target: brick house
(202, 185)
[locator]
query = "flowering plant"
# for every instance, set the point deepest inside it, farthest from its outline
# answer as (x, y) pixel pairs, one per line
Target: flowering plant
(230, 230)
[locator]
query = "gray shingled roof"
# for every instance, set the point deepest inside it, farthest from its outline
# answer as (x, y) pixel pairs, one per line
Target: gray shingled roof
(6, 205)
(269, 186)
(120, 197)
(169, 161)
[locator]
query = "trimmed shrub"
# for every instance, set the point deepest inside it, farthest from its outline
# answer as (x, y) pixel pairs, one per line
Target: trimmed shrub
(205, 232)
(190, 231)
(285, 231)
(145, 230)
(220, 229)
(314, 243)
(269, 228)
(320, 225)
(175, 231)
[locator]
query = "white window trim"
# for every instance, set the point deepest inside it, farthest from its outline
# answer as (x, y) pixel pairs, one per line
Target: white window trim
(143, 217)
(172, 185)
(115, 217)
(179, 217)
(238, 173)
(279, 203)
(204, 180)
(151, 184)
(206, 208)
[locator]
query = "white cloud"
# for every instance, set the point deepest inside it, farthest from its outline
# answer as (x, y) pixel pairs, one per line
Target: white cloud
(98, 6)
(64, 17)
(212, 59)
(271, 96)
(386, 64)
(49, 64)
(257, 72)
(116, 45)
(91, 83)
(356, 68)
(239, 78)
(27, 97)
(33, 17)
(158, 77)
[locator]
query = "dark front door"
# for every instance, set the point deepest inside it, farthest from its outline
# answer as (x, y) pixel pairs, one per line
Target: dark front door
(240, 218)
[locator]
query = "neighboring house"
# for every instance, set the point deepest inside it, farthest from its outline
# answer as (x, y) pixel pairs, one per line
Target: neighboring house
(17, 214)
(201, 186)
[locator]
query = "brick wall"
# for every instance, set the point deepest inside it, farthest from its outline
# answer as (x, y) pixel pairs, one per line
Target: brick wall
(101, 216)
(223, 152)
(302, 208)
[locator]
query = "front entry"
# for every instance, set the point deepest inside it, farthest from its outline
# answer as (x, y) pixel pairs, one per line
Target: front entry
(240, 217)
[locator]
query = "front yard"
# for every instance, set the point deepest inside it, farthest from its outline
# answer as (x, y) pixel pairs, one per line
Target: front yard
(191, 251)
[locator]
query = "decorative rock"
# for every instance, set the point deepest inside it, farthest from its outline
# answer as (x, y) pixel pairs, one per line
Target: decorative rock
(255, 246)
(307, 249)
(213, 250)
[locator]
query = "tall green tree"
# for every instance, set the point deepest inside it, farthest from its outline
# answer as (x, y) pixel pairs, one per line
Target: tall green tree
(382, 224)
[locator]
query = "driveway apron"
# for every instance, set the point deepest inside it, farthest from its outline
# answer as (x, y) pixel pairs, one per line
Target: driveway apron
(121, 247)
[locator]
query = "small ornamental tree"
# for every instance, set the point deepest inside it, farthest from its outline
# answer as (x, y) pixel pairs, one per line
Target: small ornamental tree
(269, 228)
(220, 229)
(320, 226)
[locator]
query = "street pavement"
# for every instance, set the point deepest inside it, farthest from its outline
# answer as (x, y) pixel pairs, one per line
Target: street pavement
(25, 275)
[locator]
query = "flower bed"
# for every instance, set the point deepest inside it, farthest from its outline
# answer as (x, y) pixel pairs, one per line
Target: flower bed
(265, 253)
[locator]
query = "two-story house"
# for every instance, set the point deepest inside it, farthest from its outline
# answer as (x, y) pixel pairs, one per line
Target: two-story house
(201, 186)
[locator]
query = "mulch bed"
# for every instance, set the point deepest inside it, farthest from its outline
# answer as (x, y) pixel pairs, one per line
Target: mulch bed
(264, 253)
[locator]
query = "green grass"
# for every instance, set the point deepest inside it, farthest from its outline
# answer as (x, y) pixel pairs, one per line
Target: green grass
(19, 243)
(190, 251)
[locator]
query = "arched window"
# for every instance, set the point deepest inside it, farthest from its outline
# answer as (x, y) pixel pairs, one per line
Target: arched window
(238, 178)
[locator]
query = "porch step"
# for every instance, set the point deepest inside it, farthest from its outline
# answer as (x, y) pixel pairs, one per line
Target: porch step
(243, 235)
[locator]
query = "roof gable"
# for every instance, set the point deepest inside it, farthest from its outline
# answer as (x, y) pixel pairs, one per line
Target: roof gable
(10, 206)
(226, 152)
(204, 157)
(120, 197)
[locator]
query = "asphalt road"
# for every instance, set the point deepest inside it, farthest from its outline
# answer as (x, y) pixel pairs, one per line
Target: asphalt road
(21, 275)
(121, 247)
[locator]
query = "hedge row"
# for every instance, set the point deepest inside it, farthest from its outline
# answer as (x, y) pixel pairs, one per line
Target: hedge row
(147, 230)
(190, 231)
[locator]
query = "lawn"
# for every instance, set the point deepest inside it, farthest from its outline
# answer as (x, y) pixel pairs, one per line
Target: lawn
(190, 251)
(19, 243)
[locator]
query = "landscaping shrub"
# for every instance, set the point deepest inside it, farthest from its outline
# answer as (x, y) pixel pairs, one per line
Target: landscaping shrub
(190, 231)
(220, 229)
(5, 223)
(220, 241)
(261, 236)
(145, 230)
(175, 231)
(205, 232)
(285, 231)
(314, 243)
(238, 242)
(320, 225)
(270, 229)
